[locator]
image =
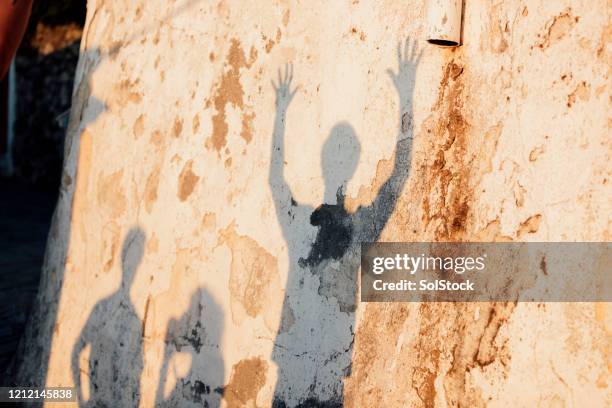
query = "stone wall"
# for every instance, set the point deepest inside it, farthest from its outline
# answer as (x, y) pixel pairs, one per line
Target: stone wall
(191, 259)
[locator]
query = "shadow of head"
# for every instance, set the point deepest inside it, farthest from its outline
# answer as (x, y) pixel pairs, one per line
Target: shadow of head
(339, 158)
(131, 255)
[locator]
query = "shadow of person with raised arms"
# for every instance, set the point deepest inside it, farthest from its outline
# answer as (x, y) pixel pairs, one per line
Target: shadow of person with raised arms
(314, 343)
(114, 333)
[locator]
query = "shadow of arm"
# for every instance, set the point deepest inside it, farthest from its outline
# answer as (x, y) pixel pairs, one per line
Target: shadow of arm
(281, 191)
(78, 348)
(376, 215)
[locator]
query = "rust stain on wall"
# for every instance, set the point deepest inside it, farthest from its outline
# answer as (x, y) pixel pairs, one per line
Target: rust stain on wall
(444, 183)
(445, 177)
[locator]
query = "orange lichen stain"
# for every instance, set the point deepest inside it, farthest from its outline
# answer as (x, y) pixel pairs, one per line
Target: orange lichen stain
(187, 181)
(150, 195)
(246, 380)
(253, 279)
(529, 226)
(228, 162)
(557, 28)
(195, 124)
(228, 91)
(247, 126)
(111, 196)
(286, 17)
(177, 127)
(138, 127)
(582, 92)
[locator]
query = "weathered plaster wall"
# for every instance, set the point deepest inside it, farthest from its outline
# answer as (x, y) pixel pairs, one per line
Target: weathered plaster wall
(183, 264)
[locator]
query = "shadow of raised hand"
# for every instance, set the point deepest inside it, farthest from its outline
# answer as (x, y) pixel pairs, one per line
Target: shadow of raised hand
(404, 79)
(284, 94)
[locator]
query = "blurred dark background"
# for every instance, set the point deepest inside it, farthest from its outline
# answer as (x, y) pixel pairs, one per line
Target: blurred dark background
(42, 82)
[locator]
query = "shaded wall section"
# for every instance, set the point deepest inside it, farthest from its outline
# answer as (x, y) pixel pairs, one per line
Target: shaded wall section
(243, 293)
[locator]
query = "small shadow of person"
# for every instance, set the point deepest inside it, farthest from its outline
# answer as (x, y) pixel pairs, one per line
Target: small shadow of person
(313, 350)
(197, 332)
(114, 333)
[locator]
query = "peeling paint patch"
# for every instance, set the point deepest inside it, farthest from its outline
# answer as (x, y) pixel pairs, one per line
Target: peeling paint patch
(187, 181)
(557, 28)
(529, 226)
(247, 126)
(111, 196)
(228, 91)
(582, 92)
(247, 379)
(253, 277)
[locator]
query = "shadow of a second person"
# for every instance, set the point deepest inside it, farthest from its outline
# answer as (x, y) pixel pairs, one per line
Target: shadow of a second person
(113, 334)
(196, 333)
